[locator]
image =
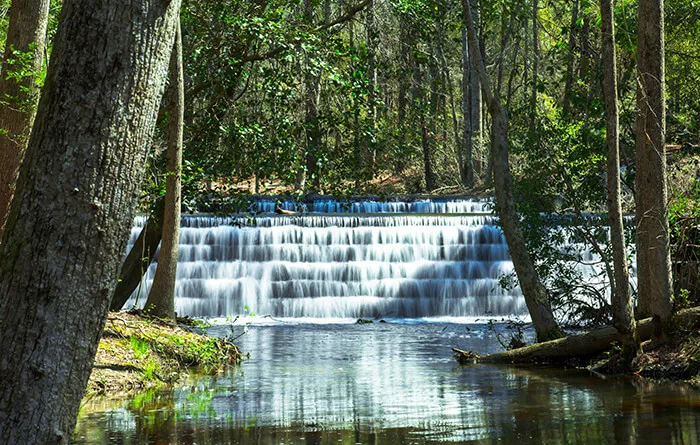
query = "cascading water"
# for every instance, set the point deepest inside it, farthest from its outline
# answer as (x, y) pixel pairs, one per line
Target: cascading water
(344, 266)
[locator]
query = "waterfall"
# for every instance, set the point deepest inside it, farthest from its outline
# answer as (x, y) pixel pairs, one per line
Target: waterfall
(346, 264)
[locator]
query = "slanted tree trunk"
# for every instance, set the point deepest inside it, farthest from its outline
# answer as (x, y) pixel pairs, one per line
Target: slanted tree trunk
(19, 94)
(534, 292)
(623, 314)
(75, 205)
(139, 257)
(653, 257)
(161, 298)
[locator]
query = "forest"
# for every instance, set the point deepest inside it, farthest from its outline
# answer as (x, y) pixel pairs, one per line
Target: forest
(574, 124)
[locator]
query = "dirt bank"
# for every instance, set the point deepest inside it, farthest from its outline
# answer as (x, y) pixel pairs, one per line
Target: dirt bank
(139, 353)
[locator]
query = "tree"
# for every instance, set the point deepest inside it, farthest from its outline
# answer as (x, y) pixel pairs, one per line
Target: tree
(623, 314)
(139, 257)
(19, 92)
(74, 207)
(161, 298)
(653, 258)
(535, 294)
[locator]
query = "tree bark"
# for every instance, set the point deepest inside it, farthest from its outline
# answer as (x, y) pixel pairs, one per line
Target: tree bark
(466, 166)
(19, 93)
(312, 84)
(371, 87)
(653, 257)
(139, 257)
(623, 314)
(74, 208)
(161, 298)
(535, 63)
(535, 294)
(579, 346)
(568, 82)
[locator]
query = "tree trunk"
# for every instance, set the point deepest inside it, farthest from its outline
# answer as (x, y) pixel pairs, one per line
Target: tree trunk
(535, 63)
(534, 292)
(653, 258)
(476, 113)
(568, 82)
(371, 88)
(139, 257)
(466, 166)
(19, 95)
(161, 298)
(623, 314)
(312, 84)
(74, 208)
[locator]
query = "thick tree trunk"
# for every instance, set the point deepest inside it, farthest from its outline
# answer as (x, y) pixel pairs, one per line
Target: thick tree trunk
(579, 346)
(139, 257)
(534, 292)
(653, 258)
(623, 314)
(74, 208)
(19, 95)
(161, 298)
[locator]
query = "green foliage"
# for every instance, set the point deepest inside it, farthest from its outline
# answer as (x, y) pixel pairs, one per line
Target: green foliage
(139, 346)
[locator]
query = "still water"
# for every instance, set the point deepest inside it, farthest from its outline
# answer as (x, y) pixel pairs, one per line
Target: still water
(391, 383)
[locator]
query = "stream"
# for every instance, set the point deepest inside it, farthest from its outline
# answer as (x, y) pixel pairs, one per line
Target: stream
(391, 383)
(431, 269)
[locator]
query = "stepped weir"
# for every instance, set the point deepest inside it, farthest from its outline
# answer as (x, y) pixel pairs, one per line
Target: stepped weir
(364, 259)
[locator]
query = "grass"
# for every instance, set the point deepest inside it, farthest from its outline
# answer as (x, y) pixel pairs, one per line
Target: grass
(139, 353)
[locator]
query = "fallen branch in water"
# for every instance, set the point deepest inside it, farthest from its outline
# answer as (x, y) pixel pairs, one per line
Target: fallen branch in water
(579, 346)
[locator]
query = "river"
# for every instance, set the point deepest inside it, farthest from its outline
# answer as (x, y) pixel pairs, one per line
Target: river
(313, 377)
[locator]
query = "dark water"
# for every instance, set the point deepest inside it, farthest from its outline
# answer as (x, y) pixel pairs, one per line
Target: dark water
(391, 384)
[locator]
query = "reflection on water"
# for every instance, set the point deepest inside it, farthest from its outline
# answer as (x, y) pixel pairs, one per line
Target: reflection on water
(391, 384)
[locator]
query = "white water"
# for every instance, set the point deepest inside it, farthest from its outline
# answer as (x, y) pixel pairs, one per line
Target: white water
(344, 267)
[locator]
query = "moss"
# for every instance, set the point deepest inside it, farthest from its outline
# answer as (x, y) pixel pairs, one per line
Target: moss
(139, 353)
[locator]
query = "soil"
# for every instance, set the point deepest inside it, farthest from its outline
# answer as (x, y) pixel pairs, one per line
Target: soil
(138, 352)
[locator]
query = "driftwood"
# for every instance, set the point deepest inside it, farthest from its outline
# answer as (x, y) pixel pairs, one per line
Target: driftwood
(579, 346)
(281, 211)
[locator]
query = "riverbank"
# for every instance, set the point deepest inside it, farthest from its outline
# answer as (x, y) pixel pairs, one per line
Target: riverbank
(598, 350)
(137, 353)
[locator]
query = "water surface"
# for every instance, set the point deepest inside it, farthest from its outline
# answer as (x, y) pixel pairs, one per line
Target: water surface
(391, 383)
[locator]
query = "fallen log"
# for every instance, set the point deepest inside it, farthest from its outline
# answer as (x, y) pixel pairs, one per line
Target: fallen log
(281, 211)
(580, 346)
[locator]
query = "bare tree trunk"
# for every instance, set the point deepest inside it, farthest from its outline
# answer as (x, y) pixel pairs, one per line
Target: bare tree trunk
(161, 298)
(466, 165)
(313, 132)
(653, 257)
(535, 62)
(623, 314)
(75, 205)
(476, 113)
(534, 292)
(18, 92)
(371, 87)
(570, 61)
